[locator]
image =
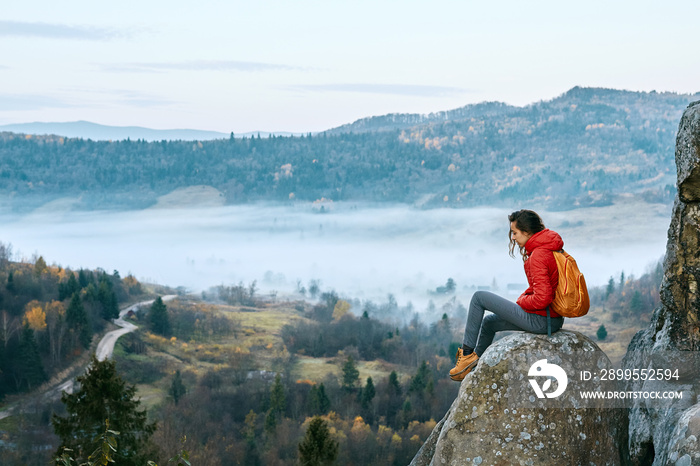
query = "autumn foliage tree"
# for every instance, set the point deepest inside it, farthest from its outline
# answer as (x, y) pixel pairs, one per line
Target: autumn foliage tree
(34, 316)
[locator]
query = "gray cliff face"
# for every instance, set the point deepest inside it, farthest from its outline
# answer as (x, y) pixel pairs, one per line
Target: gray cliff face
(665, 432)
(496, 418)
(679, 290)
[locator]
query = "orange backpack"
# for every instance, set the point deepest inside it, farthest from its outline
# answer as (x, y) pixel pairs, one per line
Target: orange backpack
(571, 297)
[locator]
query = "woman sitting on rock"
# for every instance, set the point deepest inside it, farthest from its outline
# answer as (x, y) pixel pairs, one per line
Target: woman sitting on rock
(529, 312)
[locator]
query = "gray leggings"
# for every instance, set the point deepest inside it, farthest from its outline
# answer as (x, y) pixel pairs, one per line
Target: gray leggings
(507, 315)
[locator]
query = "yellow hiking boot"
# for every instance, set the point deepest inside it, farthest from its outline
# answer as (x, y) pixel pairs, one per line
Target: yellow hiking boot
(464, 365)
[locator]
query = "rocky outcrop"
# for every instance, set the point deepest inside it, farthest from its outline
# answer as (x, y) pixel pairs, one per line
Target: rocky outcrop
(665, 432)
(495, 420)
(683, 447)
(498, 417)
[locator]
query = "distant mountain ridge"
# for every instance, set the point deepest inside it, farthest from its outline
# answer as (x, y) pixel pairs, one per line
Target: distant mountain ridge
(97, 132)
(394, 121)
(380, 123)
(589, 95)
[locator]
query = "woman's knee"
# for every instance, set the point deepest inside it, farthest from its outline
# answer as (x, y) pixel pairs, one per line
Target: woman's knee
(490, 322)
(478, 296)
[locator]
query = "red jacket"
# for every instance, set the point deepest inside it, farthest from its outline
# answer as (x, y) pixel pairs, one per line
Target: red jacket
(541, 271)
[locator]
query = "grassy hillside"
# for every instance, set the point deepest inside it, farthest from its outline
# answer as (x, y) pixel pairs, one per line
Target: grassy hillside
(254, 348)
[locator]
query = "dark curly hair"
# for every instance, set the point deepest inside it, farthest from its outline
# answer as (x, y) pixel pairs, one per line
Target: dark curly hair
(526, 221)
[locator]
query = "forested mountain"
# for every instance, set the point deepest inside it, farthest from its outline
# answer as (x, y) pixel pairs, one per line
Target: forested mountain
(579, 149)
(407, 120)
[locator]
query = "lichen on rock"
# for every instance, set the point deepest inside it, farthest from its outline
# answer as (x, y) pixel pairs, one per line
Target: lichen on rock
(498, 419)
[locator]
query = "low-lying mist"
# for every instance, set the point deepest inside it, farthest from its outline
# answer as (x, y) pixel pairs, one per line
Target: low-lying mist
(360, 251)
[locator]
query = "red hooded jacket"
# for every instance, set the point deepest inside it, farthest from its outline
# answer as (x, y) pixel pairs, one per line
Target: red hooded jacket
(541, 271)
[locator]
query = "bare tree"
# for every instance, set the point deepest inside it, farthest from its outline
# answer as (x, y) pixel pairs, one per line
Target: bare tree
(10, 325)
(56, 328)
(5, 254)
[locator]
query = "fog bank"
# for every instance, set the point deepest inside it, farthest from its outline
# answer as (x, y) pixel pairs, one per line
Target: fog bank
(360, 251)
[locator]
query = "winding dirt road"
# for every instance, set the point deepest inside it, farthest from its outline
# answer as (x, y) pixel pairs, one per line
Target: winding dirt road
(104, 350)
(106, 346)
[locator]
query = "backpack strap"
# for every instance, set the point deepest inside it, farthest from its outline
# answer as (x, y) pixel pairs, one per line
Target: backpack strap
(549, 317)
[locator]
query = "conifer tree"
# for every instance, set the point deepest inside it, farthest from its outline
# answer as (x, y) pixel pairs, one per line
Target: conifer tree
(602, 333)
(10, 286)
(84, 278)
(324, 403)
(319, 403)
(29, 368)
(177, 388)
(394, 385)
(350, 374)
(610, 289)
(278, 405)
(77, 320)
(104, 395)
(108, 300)
(636, 305)
(252, 455)
(313, 400)
(368, 393)
(270, 422)
(278, 399)
(3, 368)
(317, 448)
(406, 414)
(158, 316)
(394, 399)
(421, 380)
(66, 289)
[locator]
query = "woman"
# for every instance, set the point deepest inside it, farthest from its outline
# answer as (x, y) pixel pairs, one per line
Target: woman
(529, 312)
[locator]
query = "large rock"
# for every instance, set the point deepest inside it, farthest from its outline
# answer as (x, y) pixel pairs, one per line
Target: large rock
(683, 448)
(498, 419)
(664, 432)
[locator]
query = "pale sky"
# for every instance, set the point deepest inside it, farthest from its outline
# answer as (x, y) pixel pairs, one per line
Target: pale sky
(309, 65)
